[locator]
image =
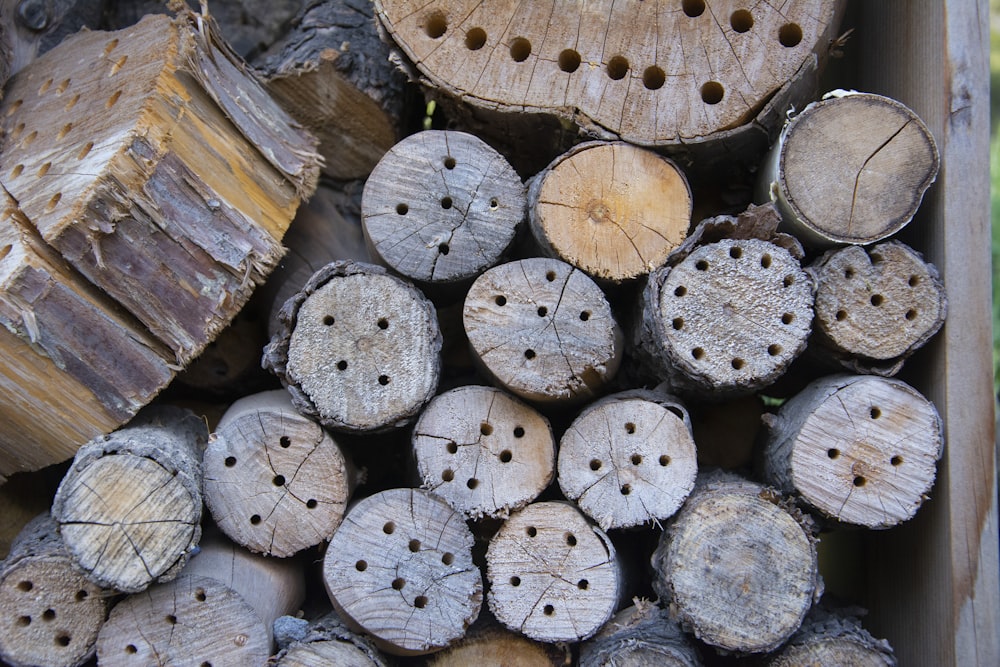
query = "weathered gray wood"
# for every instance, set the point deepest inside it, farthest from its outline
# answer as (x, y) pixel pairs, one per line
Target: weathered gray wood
(325, 641)
(441, 207)
(876, 306)
(833, 637)
(275, 481)
(629, 459)
(130, 505)
(642, 635)
(400, 569)
(50, 613)
(737, 567)
(850, 168)
(359, 349)
(612, 210)
(543, 330)
(484, 451)
(554, 576)
(860, 449)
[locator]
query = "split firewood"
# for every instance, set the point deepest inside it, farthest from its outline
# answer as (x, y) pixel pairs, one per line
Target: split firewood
(736, 566)
(543, 330)
(642, 635)
(130, 505)
(861, 449)
(876, 306)
(326, 641)
(441, 207)
(275, 481)
(629, 459)
(877, 159)
(482, 450)
(359, 349)
(728, 318)
(50, 613)
(648, 73)
(554, 576)
(400, 569)
(492, 644)
(611, 209)
(833, 637)
(332, 72)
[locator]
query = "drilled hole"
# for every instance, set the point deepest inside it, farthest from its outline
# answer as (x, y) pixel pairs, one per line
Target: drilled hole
(342, 365)
(570, 539)
(64, 131)
(113, 100)
(693, 8)
(584, 315)
(500, 301)
(389, 528)
(833, 453)
(520, 49)
(636, 459)
(913, 281)
(712, 92)
(664, 460)
(279, 480)
(506, 456)
(44, 169)
(284, 442)
(678, 323)
(774, 349)
(28, 140)
(383, 380)
(402, 209)
(595, 464)
(448, 558)
(697, 353)
(110, 46)
(72, 101)
(24, 621)
(515, 581)
(63, 85)
(529, 354)
(475, 39)
(81, 595)
(398, 583)
(446, 202)
(542, 311)
(736, 252)
(701, 265)
(452, 447)
(361, 566)
(447, 474)
(486, 428)
(312, 503)
(841, 315)
(230, 461)
(875, 413)
(787, 318)
(444, 249)
(199, 595)
(131, 649)
(896, 460)
(549, 610)
(550, 276)
(765, 261)
(518, 431)
(494, 204)
(617, 68)
(255, 519)
(790, 35)
(911, 314)
(420, 601)
(860, 481)
(531, 531)
(653, 77)
(449, 162)
(17, 170)
(848, 273)
(788, 281)
(569, 60)
(583, 584)
(741, 20)
(472, 483)
(45, 87)
(436, 25)
(16, 132)
(877, 300)
(25, 586)
(737, 363)
(626, 489)
(14, 107)
(171, 619)
(63, 640)
(629, 428)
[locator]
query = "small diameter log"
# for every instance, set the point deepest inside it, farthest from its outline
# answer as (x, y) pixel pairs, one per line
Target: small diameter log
(860, 449)
(50, 613)
(543, 330)
(628, 459)
(129, 507)
(833, 638)
(359, 349)
(642, 635)
(441, 207)
(876, 306)
(850, 168)
(327, 641)
(554, 576)
(275, 481)
(482, 450)
(736, 568)
(729, 318)
(612, 210)
(400, 569)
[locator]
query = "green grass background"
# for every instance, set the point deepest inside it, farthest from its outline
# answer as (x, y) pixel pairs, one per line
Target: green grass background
(995, 178)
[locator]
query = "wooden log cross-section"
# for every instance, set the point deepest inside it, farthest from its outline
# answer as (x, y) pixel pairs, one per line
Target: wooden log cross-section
(642, 635)
(833, 637)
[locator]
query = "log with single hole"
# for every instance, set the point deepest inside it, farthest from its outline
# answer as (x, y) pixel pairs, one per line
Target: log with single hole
(484, 451)
(860, 449)
(218, 612)
(359, 349)
(400, 569)
(441, 207)
(612, 210)
(642, 635)
(50, 613)
(876, 306)
(276, 482)
(543, 330)
(325, 641)
(628, 459)
(850, 168)
(554, 575)
(833, 636)
(737, 566)
(129, 507)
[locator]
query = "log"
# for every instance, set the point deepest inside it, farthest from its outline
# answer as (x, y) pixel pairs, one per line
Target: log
(543, 330)
(876, 306)
(554, 576)
(484, 451)
(492, 644)
(359, 349)
(332, 72)
(833, 637)
(860, 449)
(612, 210)
(628, 459)
(275, 481)
(50, 613)
(737, 566)
(849, 168)
(400, 569)
(326, 641)
(727, 319)
(129, 507)
(642, 635)
(441, 207)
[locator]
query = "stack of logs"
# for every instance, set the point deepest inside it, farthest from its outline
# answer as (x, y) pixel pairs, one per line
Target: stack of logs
(512, 401)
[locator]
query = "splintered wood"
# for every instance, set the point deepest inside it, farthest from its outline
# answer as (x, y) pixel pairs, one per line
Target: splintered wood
(154, 168)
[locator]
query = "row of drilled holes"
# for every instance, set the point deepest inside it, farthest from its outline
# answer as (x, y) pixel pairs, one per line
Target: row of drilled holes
(200, 596)
(382, 323)
(878, 299)
(389, 527)
(571, 541)
(506, 456)
(63, 639)
(859, 480)
(279, 480)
